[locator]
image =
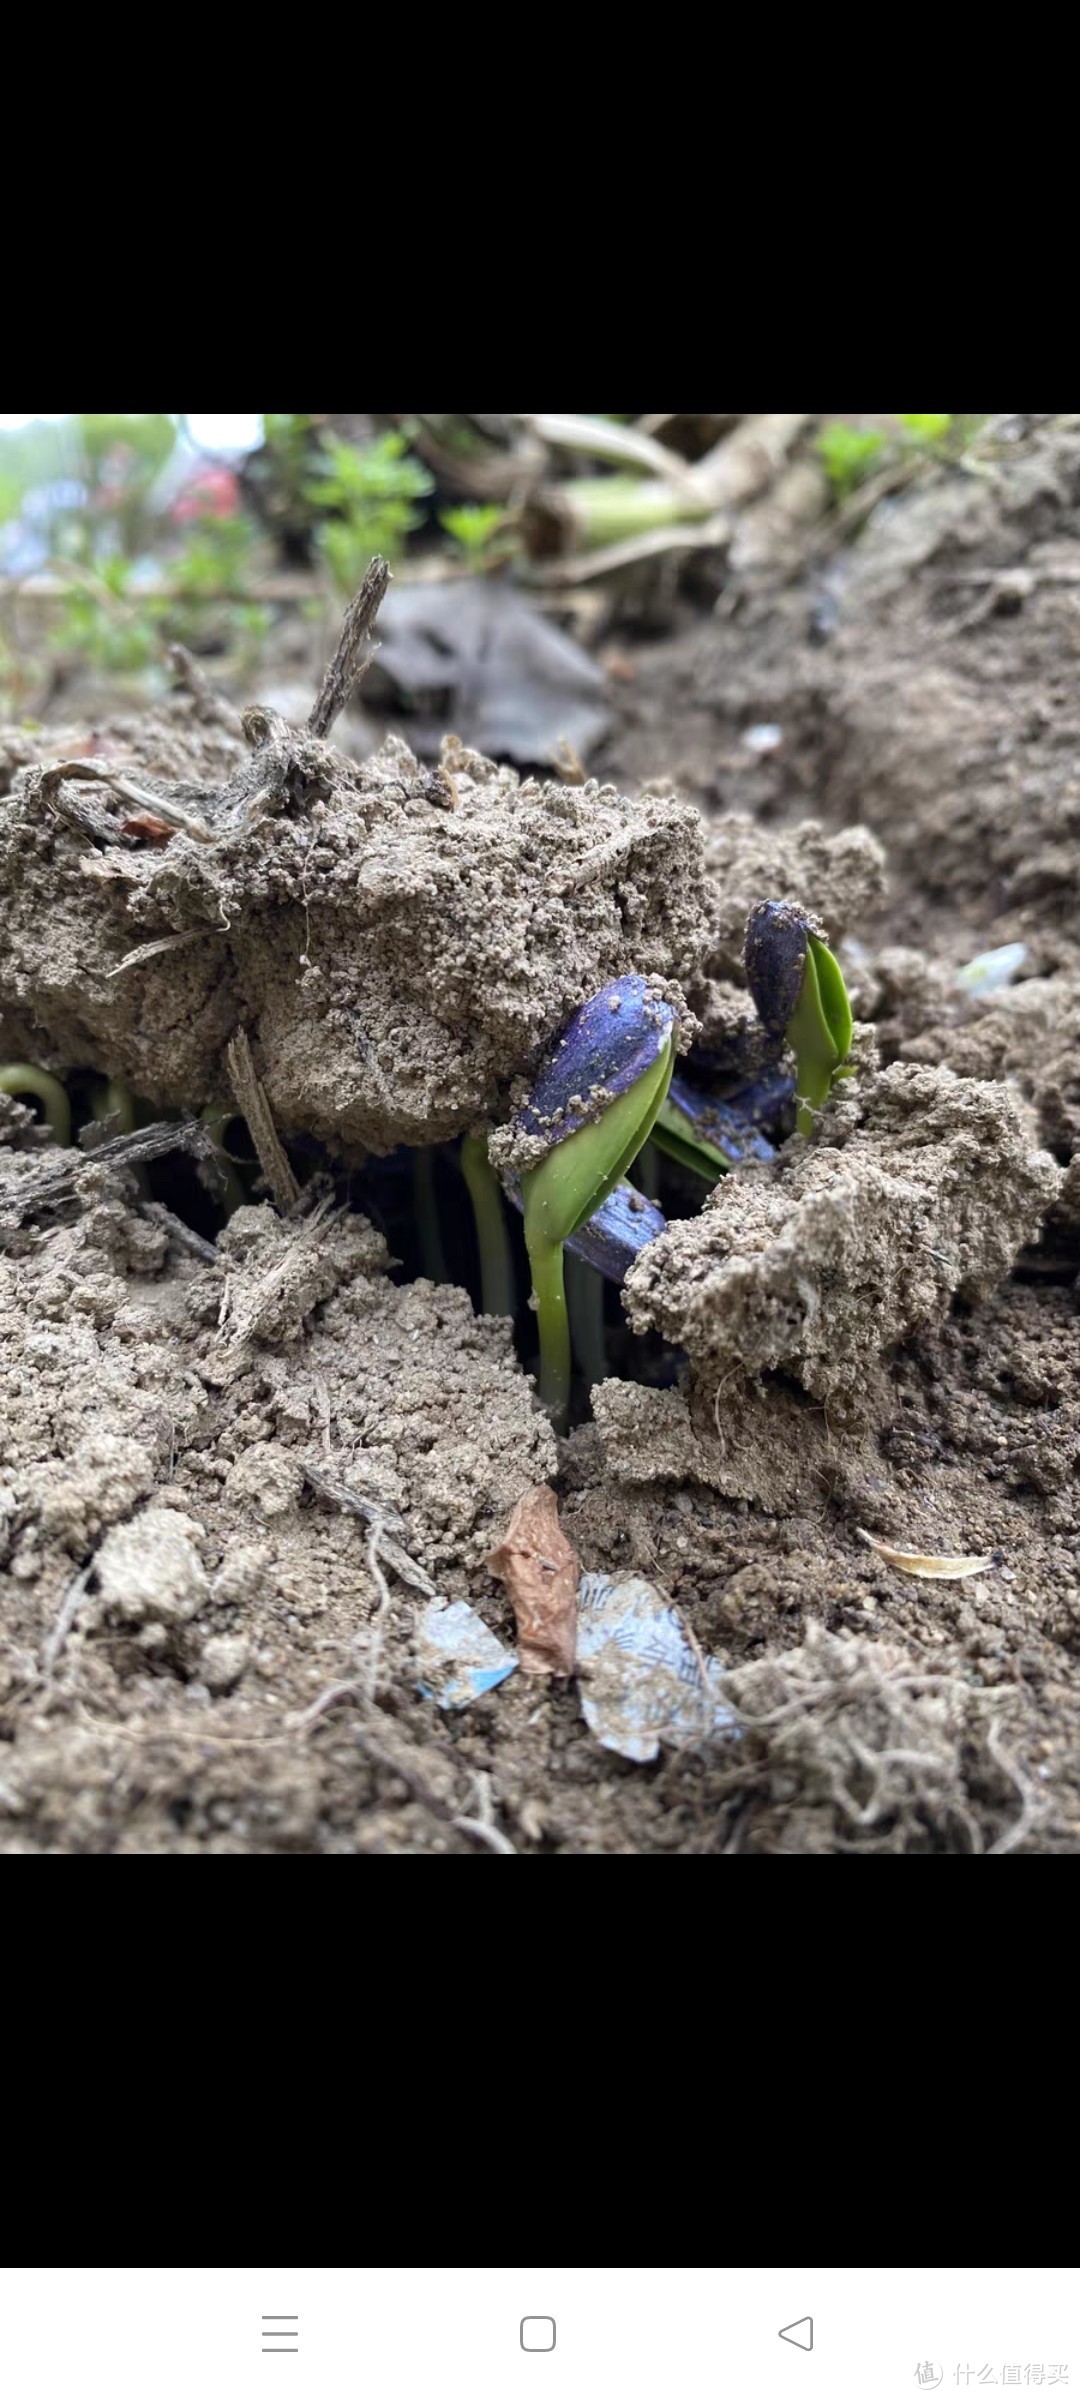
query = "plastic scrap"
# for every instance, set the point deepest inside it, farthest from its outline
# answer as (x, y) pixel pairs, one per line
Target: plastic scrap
(644, 1683)
(993, 970)
(458, 1658)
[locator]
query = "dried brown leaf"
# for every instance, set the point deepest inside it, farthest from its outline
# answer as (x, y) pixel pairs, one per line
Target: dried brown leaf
(541, 1571)
(918, 1562)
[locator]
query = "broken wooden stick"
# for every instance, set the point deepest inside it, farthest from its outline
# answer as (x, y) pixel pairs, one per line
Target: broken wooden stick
(253, 1105)
(354, 652)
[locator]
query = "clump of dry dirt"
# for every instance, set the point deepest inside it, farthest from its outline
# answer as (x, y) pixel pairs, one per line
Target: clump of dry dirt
(919, 1186)
(398, 941)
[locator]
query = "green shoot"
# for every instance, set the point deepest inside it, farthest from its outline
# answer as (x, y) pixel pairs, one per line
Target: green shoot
(566, 1189)
(21, 1078)
(368, 498)
(819, 1031)
(473, 528)
(498, 1290)
(928, 432)
(848, 457)
(678, 1139)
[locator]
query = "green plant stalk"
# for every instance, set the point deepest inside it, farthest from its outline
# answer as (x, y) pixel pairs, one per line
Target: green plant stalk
(819, 1031)
(563, 1192)
(672, 1135)
(585, 1298)
(22, 1077)
(113, 1099)
(549, 1293)
(612, 508)
(498, 1287)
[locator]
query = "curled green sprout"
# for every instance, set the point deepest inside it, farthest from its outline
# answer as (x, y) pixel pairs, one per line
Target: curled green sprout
(819, 1031)
(676, 1137)
(498, 1292)
(801, 998)
(619, 1050)
(114, 1104)
(22, 1078)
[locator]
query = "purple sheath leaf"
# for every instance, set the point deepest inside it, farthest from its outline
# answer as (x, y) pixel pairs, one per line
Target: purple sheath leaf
(608, 1044)
(621, 1228)
(776, 937)
(735, 1125)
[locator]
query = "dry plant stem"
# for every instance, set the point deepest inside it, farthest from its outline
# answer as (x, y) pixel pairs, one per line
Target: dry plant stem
(357, 1506)
(184, 1236)
(147, 950)
(210, 705)
(91, 770)
(56, 1183)
(352, 658)
(254, 1105)
(624, 445)
(70, 1606)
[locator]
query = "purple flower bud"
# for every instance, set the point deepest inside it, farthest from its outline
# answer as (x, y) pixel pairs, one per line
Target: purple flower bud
(611, 1041)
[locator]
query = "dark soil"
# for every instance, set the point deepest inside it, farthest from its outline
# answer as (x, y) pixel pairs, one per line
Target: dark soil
(202, 1645)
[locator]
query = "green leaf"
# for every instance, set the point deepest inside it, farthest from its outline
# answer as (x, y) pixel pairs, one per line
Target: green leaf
(819, 1031)
(832, 990)
(928, 429)
(672, 1133)
(571, 1183)
(848, 456)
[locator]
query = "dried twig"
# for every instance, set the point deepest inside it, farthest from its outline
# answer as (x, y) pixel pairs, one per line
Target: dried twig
(72, 1602)
(58, 1180)
(183, 1235)
(147, 950)
(142, 796)
(210, 704)
(351, 659)
(255, 1107)
(356, 1504)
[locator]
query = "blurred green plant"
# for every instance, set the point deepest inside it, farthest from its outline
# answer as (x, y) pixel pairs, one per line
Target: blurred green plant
(472, 526)
(848, 457)
(928, 432)
(368, 501)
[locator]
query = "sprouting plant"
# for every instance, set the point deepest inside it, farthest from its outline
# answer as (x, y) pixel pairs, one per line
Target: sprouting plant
(591, 1108)
(23, 1079)
(498, 1294)
(710, 1136)
(801, 998)
(848, 456)
(928, 432)
(472, 526)
(113, 1104)
(367, 500)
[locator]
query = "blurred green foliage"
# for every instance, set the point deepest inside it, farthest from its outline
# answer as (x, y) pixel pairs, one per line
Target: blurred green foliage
(368, 499)
(473, 525)
(848, 456)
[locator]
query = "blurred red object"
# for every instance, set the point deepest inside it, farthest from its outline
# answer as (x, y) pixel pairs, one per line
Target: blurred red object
(211, 492)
